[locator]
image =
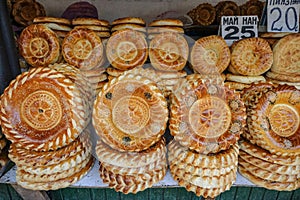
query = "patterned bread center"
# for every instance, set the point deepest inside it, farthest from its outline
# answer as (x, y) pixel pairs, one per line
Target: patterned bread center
(169, 52)
(41, 110)
(249, 57)
(284, 120)
(28, 12)
(211, 57)
(39, 47)
(131, 114)
(210, 117)
(127, 51)
(205, 14)
(82, 49)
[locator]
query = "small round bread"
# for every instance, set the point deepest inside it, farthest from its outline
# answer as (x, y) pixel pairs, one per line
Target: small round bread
(271, 185)
(129, 20)
(83, 49)
(245, 79)
(163, 29)
(275, 120)
(166, 22)
(106, 154)
(224, 159)
(252, 7)
(271, 167)
(130, 113)
(283, 77)
(57, 20)
(251, 57)
(94, 27)
(204, 14)
(135, 27)
(24, 11)
(114, 72)
(127, 49)
(42, 110)
(168, 52)
(89, 21)
(210, 55)
(226, 8)
(56, 184)
(39, 45)
(57, 27)
(205, 116)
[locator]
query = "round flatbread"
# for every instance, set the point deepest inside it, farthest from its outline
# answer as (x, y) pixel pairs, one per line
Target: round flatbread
(39, 45)
(83, 49)
(89, 21)
(130, 113)
(57, 20)
(127, 49)
(42, 110)
(129, 20)
(206, 117)
(275, 120)
(204, 14)
(168, 52)
(210, 55)
(251, 56)
(135, 27)
(226, 8)
(166, 22)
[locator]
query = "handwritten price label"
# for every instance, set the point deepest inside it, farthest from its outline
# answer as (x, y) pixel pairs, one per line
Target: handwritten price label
(283, 16)
(238, 27)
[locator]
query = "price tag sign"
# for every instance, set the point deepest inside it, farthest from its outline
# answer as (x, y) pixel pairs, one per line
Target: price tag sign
(283, 16)
(238, 27)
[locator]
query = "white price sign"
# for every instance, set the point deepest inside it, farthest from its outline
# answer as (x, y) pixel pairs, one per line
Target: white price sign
(283, 16)
(238, 27)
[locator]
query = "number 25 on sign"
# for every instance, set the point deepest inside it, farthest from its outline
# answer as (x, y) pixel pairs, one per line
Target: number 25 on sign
(283, 15)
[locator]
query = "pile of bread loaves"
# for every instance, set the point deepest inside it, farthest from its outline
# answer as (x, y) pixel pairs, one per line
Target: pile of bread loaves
(134, 82)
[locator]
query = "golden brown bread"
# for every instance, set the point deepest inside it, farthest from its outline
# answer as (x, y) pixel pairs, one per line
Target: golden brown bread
(42, 110)
(206, 116)
(39, 45)
(83, 49)
(130, 113)
(210, 55)
(251, 56)
(168, 52)
(127, 49)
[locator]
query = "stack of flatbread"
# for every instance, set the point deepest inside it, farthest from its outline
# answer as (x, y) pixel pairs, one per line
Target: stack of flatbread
(60, 26)
(269, 155)
(206, 121)
(44, 113)
(130, 117)
(164, 25)
(286, 65)
(83, 48)
(100, 26)
(168, 52)
(132, 23)
(250, 59)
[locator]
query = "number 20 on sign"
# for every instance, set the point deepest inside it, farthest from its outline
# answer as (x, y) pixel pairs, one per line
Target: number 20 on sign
(283, 15)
